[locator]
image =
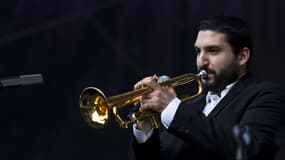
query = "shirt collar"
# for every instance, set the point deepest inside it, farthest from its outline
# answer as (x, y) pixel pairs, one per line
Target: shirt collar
(210, 96)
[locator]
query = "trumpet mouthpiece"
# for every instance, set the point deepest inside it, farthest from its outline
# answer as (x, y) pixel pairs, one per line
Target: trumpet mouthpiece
(202, 74)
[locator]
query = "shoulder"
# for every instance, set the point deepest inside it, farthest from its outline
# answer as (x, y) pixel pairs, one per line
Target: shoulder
(270, 94)
(253, 88)
(250, 81)
(270, 87)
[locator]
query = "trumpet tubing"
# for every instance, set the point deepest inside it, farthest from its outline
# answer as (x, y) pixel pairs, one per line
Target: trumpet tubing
(95, 106)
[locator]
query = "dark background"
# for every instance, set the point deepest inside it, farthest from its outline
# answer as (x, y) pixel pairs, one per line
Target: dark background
(110, 45)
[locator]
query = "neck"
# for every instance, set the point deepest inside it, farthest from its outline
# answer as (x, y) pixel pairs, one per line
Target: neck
(225, 84)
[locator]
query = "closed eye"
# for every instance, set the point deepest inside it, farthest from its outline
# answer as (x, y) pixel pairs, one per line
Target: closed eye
(214, 49)
(197, 51)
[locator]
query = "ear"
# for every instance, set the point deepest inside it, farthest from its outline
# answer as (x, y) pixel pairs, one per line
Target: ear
(243, 56)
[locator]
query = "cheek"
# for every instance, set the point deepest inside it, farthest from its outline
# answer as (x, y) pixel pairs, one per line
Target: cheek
(198, 63)
(198, 66)
(216, 63)
(219, 63)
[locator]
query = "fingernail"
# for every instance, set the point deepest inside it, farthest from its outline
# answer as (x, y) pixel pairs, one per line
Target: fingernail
(155, 77)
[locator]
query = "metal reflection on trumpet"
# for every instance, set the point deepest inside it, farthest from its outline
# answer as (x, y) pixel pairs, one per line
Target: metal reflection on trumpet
(95, 106)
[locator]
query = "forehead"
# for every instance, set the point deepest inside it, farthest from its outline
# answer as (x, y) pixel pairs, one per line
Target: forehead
(210, 38)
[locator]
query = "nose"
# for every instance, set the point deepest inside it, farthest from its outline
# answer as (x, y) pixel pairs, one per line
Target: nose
(202, 60)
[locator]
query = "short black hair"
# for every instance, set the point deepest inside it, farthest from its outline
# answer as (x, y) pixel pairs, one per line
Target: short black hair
(237, 32)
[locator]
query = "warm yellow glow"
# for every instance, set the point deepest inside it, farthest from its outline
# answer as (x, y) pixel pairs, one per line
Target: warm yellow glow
(97, 118)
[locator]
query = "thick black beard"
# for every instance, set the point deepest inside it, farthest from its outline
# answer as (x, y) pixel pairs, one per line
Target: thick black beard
(222, 81)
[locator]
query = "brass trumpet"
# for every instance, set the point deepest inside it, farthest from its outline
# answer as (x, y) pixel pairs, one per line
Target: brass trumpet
(95, 106)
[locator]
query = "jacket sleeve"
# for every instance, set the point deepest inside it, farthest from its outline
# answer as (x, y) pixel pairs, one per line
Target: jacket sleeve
(148, 150)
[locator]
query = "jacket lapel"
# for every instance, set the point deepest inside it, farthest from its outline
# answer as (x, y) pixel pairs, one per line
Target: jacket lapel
(234, 92)
(196, 105)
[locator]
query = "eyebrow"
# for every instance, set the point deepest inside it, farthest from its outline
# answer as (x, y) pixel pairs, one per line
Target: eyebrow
(213, 47)
(209, 47)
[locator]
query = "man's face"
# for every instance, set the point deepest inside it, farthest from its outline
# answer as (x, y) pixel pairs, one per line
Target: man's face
(215, 55)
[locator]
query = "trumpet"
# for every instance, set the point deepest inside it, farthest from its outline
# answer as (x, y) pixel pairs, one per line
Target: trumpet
(95, 106)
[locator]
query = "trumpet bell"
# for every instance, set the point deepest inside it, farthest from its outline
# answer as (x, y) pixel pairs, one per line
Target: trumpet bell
(94, 107)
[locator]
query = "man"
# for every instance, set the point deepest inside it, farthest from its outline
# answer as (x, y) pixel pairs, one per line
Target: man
(203, 128)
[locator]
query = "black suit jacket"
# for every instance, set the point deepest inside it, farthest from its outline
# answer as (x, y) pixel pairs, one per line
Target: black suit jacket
(280, 141)
(191, 135)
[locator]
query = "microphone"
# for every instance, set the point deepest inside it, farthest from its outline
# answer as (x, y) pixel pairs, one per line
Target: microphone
(243, 140)
(21, 80)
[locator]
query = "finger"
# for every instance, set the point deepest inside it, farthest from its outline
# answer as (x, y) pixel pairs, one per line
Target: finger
(154, 95)
(146, 106)
(153, 83)
(150, 104)
(150, 107)
(171, 91)
(148, 81)
(142, 82)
